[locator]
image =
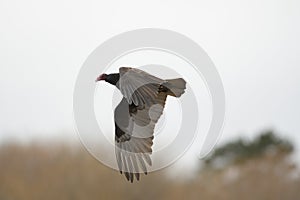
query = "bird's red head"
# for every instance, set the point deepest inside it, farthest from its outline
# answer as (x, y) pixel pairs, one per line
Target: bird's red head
(101, 77)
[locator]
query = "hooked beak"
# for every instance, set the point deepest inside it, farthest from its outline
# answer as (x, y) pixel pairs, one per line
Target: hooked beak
(101, 77)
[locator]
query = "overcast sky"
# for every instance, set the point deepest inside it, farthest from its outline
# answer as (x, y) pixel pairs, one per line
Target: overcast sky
(255, 45)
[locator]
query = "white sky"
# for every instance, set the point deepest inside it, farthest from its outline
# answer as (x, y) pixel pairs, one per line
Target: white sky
(254, 44)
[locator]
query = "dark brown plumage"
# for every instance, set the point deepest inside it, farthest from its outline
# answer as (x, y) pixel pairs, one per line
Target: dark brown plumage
(144, 98)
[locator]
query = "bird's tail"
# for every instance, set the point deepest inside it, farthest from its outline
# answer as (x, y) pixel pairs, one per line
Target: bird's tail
(175, 86)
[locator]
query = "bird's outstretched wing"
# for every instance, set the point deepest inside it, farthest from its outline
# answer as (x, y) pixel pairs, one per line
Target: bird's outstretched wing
(134, 127)
(132, 79)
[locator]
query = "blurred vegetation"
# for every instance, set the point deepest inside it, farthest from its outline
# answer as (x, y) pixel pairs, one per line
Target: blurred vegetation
(57, 171)
(241, 150)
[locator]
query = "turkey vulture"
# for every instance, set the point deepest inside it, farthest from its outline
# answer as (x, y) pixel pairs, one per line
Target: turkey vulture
(143, 101)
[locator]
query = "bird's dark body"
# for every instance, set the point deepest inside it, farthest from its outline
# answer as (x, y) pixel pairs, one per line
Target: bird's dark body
(124, 108)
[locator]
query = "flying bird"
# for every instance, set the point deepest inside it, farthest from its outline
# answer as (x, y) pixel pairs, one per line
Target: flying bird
(144, 98)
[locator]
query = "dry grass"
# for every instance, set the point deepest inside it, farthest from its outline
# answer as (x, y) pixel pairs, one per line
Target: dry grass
(60, 172)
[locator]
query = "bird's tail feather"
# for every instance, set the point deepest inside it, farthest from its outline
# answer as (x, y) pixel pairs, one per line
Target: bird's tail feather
(175, 86)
